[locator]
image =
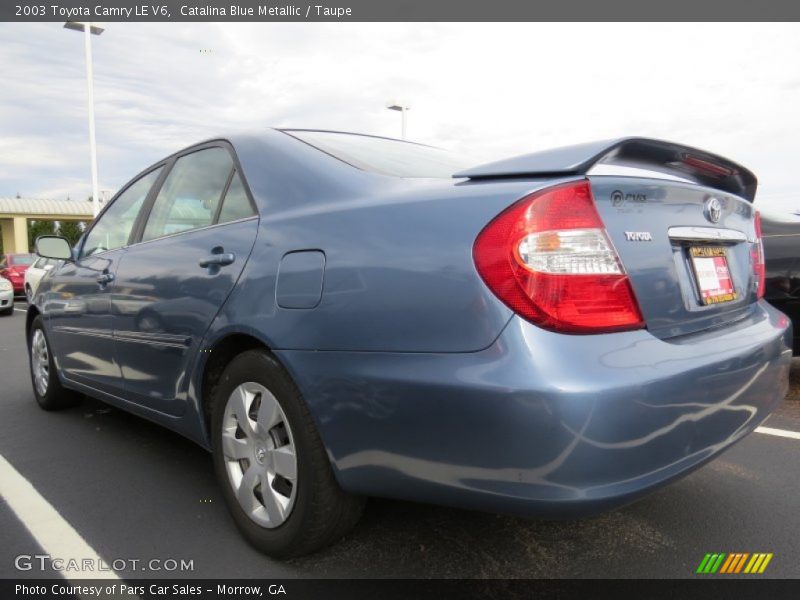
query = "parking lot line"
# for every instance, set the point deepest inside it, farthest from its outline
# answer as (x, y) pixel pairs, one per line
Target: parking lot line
(779, 432)
(54, 534)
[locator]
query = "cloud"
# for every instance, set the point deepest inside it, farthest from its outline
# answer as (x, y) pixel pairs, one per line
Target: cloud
(489, 90)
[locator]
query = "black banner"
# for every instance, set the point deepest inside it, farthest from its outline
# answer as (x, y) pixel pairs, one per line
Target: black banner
(399, 10)
(389, 589)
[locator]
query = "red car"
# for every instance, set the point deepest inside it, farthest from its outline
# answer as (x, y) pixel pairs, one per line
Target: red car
(13, 267)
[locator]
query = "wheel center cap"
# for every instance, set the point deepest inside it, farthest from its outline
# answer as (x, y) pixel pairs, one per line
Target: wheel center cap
(261, 454)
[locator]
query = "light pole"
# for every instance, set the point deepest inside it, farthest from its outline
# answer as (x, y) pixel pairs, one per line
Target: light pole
(403, 108)
(90, 30)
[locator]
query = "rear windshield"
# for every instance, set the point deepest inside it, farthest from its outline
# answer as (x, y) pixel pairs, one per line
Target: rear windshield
(383, 155)
(21, 259)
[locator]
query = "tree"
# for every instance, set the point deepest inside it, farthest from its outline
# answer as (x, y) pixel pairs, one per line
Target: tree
(39, 228)
(70, 230)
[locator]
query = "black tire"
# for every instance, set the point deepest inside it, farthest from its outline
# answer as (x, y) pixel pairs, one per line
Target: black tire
(322, 512)
(7, 311)
(56, 397)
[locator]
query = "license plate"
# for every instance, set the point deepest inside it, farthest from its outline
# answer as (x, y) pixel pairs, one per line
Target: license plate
(713, 275)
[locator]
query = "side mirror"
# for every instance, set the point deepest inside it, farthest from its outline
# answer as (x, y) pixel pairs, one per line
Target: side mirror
(53, 246)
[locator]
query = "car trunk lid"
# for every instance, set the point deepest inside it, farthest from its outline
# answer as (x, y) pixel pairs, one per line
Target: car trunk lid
(674, 239)
(687, 242)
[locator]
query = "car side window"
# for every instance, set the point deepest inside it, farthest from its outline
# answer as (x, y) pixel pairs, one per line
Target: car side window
(191, 193)
(236, 204)
(115, 225)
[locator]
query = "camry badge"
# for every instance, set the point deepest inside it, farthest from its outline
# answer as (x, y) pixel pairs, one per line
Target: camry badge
(713, 209)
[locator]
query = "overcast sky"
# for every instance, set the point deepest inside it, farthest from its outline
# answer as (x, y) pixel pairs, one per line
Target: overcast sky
(482, 89)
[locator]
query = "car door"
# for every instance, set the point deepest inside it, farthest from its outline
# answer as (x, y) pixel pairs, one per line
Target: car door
(77, 304)
(200, 229)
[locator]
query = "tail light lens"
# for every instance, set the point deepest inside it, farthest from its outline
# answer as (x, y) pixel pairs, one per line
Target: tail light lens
(757, 255)
(549, 258)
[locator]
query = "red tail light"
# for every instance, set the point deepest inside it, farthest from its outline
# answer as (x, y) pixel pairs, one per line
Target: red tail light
(757, 256)
(548, 257)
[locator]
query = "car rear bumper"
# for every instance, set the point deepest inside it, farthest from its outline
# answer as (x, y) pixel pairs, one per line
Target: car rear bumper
(6, 299)
(541, 423)
(791, 308)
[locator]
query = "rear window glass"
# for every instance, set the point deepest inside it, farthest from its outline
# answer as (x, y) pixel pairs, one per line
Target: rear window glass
(386, 156)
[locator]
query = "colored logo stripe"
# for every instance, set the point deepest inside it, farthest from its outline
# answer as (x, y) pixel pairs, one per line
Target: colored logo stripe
(758, 563)
(711, 563)
(734, 562)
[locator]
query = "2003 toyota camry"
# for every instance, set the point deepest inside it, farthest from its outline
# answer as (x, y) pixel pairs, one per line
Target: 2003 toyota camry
(337, 316)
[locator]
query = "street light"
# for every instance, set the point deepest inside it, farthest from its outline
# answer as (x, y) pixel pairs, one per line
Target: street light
(403, 108)
(89, 30)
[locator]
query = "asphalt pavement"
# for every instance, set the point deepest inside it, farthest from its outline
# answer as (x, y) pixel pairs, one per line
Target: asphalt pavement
(137, 492)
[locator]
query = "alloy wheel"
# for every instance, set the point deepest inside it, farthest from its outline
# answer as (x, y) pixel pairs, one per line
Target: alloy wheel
(259, 454)
(40, 362)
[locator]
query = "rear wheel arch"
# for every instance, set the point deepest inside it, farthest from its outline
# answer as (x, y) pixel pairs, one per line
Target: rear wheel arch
(219, 357)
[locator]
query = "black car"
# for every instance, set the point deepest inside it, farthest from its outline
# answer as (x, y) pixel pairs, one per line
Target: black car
(781, 235)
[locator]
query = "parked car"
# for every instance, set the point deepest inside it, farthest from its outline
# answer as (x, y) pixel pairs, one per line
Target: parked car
(782, 251)
(33, 275)
(6, 297)
(362, 316)
(13, 267)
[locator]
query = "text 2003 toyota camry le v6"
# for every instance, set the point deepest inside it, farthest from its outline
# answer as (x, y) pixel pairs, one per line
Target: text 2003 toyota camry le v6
(337, 316)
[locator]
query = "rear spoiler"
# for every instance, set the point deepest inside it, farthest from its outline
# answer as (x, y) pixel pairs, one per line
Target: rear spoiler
(689, 163)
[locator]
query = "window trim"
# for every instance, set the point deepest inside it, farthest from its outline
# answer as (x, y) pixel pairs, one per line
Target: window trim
(167, 163)
(190, 231)
(218, 210)
(147, 207)
(141, 218)
(159, 165)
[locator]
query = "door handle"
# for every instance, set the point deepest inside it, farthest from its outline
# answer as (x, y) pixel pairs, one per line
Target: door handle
(219, 260)
(105, 278)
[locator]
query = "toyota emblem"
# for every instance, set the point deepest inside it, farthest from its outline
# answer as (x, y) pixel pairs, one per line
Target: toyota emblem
(713, 210)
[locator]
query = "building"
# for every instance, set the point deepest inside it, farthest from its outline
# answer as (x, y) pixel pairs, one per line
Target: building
(15, 213)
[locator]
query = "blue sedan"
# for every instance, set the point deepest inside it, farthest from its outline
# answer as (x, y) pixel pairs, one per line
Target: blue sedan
(336, 316)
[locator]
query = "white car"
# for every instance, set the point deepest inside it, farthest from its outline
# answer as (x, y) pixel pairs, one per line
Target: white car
(6, 297)
(34, 275)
